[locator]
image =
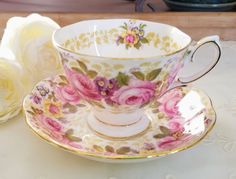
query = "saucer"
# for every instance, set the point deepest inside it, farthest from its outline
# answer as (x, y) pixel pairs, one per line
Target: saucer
(178, 120)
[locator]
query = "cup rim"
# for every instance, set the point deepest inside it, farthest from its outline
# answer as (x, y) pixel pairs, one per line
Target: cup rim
(59, 46)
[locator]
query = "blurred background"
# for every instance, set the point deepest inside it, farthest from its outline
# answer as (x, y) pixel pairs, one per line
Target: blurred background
(115, 6)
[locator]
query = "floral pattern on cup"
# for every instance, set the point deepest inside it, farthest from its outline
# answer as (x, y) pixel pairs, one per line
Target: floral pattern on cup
(64, 121)
(133, 88)
(132, 36)
(67, 94)
(138, 92)
(84, 86)
(129, 34)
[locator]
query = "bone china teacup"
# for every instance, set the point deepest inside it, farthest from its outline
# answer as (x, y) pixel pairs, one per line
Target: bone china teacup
(121, 66)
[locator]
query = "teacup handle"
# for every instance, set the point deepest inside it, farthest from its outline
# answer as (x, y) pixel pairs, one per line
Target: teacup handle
(191, 52)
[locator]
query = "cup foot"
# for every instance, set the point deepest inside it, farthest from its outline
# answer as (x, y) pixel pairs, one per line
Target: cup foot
(114, 132)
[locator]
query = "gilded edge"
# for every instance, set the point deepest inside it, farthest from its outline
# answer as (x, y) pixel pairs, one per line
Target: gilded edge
(123, 157)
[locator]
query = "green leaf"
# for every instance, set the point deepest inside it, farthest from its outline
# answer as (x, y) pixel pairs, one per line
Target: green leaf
(92, 73)
(74, 138)
(165, 130)
(33, 109)
(121, 40)
(137, 45)
(63, 78)
(97, 104)
(144, 40)
(139, 75)
(62, 84)
(122, 79)
(144, 105)
(155, 111)
(69, 135)
(123, 150)
(123, 27)
(77, 70)
(82, 66)
(71, 108)
(153, 74)
(81, 105)
(70, 132)
(127, 46)
(142, 26)
(110, 149)
(159, 136)
(98, 148)
(30, 112)
(160, 115)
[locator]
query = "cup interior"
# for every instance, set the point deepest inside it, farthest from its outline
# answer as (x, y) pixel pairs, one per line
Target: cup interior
(121, 38)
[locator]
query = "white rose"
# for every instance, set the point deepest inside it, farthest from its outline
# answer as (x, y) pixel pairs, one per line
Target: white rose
(29, 39)
(12, 90)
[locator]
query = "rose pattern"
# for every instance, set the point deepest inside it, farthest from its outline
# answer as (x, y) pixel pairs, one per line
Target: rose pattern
(168, 142)
(173, 133)
(136, 93)
(170, 103)
(52, 127)
(85, 87)
(176, 124)
(67, 94)
(56, 131)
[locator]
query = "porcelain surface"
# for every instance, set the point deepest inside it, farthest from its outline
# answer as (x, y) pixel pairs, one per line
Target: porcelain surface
(178, 120)
(120, 66)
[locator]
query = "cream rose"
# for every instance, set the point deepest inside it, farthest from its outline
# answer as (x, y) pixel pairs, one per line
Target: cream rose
(11, 88)
(29, 39)
(26, 57)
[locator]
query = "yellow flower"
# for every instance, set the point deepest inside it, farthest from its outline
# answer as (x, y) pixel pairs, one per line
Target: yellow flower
(53, 109)
(11, 89)
(29, 39)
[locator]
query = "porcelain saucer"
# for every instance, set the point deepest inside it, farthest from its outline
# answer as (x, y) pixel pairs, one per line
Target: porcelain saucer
(178, 120)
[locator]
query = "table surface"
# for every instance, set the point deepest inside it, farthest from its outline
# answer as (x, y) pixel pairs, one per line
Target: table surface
(195, 24)
(25, 156)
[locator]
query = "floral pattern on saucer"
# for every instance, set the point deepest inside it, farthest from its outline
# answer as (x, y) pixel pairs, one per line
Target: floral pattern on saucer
(179, 119)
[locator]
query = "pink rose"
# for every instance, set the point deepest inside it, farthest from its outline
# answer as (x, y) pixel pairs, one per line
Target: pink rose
(130, 38)
(136, 93)
(52, 126)
(55, 131)
(176, 125)
(86, 88)
(67, 94)
(168, 143)
(169, 102)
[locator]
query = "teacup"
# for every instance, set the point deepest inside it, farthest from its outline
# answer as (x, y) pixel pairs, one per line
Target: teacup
(121, 66)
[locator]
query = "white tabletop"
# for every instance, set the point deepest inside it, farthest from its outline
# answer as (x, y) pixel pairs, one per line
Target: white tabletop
(23, 155)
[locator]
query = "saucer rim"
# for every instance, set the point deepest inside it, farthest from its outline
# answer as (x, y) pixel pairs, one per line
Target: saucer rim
(117, 157)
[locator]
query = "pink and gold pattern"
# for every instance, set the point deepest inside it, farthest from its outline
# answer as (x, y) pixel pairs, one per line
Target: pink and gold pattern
(60, 117)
